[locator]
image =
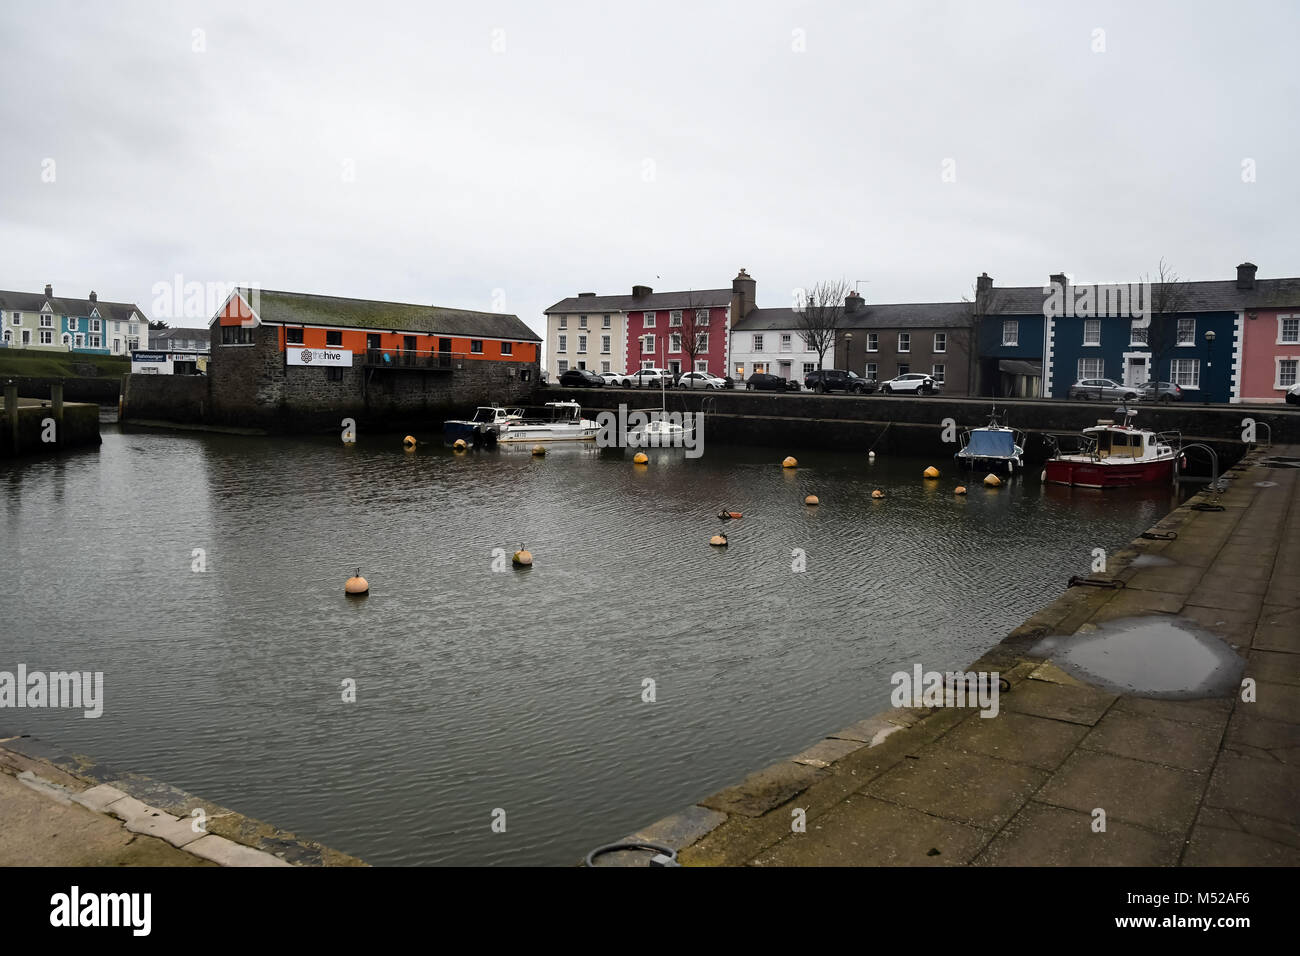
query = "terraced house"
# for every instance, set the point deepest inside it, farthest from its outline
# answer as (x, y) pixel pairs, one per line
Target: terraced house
(31, 320)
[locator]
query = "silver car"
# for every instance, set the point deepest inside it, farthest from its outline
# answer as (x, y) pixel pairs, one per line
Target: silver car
(1102, 389)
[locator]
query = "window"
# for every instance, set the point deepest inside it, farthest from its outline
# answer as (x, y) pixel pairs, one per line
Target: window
(582, 345)
(1185, 372)
(675, 318)
(373, 340)
(507, 348)
(1137, 333)
(647, 343)
(79, 342)
(873, 341)
(72, 324)
(904, 369)
(646, 363)
(740, 372)
(701, 315)
(47, 320)
(47, 337)
(938, 373)
(904, 341)
(66, 339)
(117, 326)
(1010, 331)
(334, 338)
(701, 341)
(675, 342)
(809, 368)
(293, 336)
(1288, 330)
(7, 337)
(16, 318)
(94, 341)
(563, 344)
(117, 346)
(649, 321)
(564, 321)
(604, 345)
(1092, 332)
(1186, 333)
(760, 368)
(333, 374)
(871, 370)
(786, 341)
(235, 335)
(1286, 372)
(476, 346)
(563, 366)
(604, 322)
(582, 321)
(940, 341)
(604, 367)
(1090, 368)
(94, 325)
(758, 342)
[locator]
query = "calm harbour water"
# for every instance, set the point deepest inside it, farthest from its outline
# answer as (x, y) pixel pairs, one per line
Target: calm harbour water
(479, 690)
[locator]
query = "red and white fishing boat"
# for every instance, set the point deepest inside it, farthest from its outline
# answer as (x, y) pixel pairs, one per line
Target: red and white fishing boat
(1117, 455)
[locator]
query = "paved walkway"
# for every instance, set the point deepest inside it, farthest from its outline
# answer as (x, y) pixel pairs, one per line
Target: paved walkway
(62, 810)
(1181, 782)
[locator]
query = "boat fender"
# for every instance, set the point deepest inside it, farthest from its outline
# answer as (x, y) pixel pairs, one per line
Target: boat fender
(959, 490)
(931, 472)
(719, 540)
(523, 558)
(877, 494)
(812, 500)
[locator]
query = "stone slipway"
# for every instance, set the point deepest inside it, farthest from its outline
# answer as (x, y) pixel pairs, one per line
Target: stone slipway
(1183, 782)
(58, 809)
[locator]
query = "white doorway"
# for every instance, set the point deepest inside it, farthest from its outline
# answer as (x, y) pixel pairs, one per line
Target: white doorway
(1135, 369)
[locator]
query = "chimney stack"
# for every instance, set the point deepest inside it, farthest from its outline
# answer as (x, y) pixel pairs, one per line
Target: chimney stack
(852, 302)
(641, 291)
(1060, 279)
(983, 284)
(743, 295)
(93, 297)
(1246, 275)
(49, 291)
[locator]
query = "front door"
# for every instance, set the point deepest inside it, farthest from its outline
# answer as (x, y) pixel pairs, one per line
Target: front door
(408, 343)
(1135, 371)
(27, 337)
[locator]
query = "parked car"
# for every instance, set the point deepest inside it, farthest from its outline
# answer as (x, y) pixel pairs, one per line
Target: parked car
(764, 382)
(616, 378)
(648, 377)
(700, 380)
(1162, 392)
(1293, 394)
(581, 378)
(918, 383)
(1102, 389)
(838, 380)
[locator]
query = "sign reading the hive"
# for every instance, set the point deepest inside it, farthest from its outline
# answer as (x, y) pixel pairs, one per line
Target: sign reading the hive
(327, 358)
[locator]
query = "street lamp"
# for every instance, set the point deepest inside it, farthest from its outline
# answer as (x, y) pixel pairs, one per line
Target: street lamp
(1209, 341)
(848, 350)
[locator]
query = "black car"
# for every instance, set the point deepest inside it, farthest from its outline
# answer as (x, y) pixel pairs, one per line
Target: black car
(581, 378)
(838, 380)
(763, 382)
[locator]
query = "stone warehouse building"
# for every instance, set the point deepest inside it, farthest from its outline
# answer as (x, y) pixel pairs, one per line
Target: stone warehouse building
(292, 361)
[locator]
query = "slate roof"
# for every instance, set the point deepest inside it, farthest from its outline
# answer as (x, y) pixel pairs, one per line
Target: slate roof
(80, 308)
(654, 302)
(165, 338)
(300, 308)
(1216, 295)
(922, 315)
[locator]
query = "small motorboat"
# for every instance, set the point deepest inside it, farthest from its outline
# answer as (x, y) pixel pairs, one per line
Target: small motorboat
(994, 446)
(564, 423)
(728, 515)
(484, 426)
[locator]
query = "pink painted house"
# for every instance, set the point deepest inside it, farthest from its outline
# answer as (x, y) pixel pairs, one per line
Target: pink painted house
(1270, 337)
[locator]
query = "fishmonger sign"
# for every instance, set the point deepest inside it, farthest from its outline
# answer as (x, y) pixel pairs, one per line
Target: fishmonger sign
(327, 358)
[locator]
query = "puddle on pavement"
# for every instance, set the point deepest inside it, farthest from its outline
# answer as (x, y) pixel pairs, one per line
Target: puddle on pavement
(1151, 561)
(1149, 657)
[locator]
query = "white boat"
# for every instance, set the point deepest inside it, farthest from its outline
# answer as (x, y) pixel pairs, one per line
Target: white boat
(564, 422)
(485, 424)
(993, 446)
(659, 432)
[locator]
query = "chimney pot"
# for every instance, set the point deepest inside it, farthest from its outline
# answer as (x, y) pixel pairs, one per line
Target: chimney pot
(1246, 275)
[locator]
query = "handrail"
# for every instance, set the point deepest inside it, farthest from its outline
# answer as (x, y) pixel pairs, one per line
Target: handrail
(412, 358)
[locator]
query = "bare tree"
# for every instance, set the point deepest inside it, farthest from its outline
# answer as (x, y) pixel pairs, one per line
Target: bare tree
(694, 329)
(1165, 302)
(822, 316)
(982, 304)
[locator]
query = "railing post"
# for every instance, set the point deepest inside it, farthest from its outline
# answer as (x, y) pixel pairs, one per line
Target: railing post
(11, 413)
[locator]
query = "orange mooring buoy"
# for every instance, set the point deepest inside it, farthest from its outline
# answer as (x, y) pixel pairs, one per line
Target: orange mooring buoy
(357, 586)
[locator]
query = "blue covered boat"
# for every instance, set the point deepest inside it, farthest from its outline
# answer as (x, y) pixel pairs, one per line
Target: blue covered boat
(993, 446)
(485, 426)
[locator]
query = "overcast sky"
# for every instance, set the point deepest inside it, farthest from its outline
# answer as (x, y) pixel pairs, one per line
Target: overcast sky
(503, 155)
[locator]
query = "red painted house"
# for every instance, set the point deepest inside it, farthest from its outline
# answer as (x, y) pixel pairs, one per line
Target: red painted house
(1270, 336)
